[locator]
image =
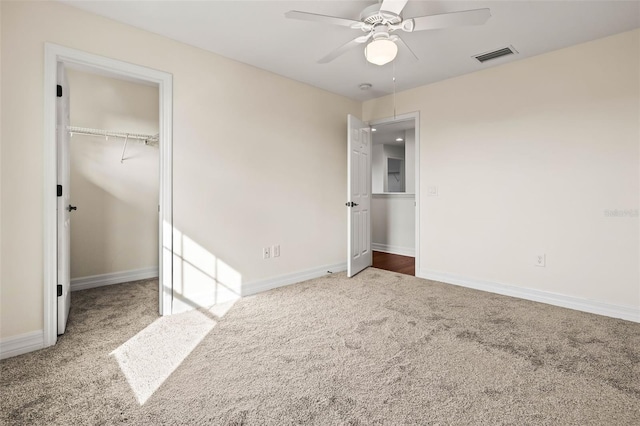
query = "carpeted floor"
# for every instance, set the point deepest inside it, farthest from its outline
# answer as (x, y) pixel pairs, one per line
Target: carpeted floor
(381, 348)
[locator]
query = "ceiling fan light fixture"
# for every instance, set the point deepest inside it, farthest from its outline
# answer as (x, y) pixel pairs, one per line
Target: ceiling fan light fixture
(381, 51)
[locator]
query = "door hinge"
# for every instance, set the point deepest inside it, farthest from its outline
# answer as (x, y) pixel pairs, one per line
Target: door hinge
(59, 190)
(59, 91)
(59, 290)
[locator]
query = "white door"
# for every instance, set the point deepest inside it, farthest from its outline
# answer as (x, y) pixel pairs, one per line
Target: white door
(359, 196)
(64, 207)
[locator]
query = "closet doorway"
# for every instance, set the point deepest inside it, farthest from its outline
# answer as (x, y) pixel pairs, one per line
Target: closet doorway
(56, 56)
(114, 165)
(394, 181)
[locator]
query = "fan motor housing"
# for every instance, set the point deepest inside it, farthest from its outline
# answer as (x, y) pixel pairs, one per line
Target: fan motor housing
(372, 15)
(380, 32)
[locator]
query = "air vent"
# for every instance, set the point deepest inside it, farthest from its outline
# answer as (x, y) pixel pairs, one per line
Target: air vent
(484, 57)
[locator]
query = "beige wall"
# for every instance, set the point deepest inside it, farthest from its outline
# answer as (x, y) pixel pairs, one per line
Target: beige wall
(115, 228)
(258, 159)
(1, 120)
(527, 158)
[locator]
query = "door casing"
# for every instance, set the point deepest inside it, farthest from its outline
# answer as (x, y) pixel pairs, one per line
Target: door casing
(415, 116)
(53, 54)
(64, 200)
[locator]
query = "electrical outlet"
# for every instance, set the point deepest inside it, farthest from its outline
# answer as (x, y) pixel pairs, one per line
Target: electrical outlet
(275, 250)
(540, 260)
(266, 252)
(432, 191)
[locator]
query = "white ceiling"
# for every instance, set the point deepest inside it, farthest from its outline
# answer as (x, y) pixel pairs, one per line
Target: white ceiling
(388, 133)
(257, 33)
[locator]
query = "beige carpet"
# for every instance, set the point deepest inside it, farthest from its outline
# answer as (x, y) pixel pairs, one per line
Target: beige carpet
(381, 348)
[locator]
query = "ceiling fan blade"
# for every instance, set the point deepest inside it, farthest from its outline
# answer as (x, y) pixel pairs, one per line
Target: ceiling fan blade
(345, 47)
(401, 42)
(453, 19)
(333, 20)
(394, 6)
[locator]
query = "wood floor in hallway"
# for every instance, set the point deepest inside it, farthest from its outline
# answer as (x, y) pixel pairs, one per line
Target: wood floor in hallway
(394, 262)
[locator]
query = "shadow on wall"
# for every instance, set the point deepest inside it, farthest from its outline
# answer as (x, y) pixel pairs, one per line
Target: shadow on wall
(115, 228)
(94, 258)
(201, 281)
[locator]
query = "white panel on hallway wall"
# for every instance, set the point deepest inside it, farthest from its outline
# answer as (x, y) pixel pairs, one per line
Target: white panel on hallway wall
(115, 229)
(393, 223)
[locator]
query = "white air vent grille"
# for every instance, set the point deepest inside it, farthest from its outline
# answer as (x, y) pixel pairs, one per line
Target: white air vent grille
(494, 54)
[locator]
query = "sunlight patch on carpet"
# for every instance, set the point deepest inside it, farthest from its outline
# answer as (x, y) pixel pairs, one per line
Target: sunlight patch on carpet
(149, 357)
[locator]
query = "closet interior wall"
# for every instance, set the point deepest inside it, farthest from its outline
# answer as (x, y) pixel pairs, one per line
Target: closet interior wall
(115, 229)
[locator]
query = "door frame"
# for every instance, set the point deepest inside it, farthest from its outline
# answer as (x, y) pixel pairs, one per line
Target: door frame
(415, 116)
(53, 54)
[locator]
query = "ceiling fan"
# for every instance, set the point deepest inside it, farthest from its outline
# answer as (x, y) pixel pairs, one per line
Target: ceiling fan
(379, 21)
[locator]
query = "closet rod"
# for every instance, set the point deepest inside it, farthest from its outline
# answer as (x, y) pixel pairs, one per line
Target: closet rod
(107, 133)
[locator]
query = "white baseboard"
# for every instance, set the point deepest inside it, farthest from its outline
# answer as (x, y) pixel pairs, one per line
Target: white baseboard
(92, 281)
(21, 344)
(628, 313)
(288, 279)
(385, 248)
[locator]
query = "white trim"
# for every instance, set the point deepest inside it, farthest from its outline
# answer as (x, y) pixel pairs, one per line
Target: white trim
(418, 219)
(50, 232)
(416, 118)
(628, 313)
(393, 195)
(288, 279)
(53, 54)
(165, 198)
(93, 281)
(21, 344)
(402, 251)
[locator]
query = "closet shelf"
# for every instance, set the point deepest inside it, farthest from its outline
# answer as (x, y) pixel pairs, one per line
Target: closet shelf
(147, 139)
(108, 133)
